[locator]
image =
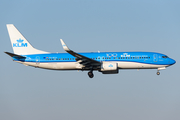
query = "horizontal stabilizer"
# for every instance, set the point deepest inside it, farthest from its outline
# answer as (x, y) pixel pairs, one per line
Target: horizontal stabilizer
(15, 55)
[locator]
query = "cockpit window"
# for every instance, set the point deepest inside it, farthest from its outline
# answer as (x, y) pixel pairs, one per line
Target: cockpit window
(165, 57)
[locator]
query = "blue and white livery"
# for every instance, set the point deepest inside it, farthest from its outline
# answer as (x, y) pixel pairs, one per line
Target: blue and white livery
(104, 62)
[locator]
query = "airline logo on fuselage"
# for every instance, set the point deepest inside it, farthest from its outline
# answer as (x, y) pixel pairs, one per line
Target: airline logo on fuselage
(19, 43)
(125, 55)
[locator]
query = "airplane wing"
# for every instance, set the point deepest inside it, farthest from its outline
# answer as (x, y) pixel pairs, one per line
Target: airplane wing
(80, 58)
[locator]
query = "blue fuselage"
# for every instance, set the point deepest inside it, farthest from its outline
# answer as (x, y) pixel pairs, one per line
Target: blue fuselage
(138, 57)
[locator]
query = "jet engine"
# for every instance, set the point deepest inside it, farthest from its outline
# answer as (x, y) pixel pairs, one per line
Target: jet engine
(109, 68)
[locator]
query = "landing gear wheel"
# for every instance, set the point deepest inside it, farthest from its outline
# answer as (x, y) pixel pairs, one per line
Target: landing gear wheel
(90, 74)
(158, 73)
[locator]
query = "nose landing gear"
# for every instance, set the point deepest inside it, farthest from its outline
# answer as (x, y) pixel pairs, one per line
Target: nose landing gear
(161, 68)
(158, 73)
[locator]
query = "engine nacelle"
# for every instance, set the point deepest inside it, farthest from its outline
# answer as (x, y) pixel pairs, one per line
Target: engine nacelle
(109, 68)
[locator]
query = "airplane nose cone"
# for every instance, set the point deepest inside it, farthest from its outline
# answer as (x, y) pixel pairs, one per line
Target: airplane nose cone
(172, 61)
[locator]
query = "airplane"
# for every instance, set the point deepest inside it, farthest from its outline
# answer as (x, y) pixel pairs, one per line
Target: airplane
(104, 62)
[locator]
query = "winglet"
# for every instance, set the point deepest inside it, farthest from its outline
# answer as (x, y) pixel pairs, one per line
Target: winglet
(65, 47)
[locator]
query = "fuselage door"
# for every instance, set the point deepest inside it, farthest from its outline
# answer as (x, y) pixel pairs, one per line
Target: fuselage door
(37, 60)
(155, 57)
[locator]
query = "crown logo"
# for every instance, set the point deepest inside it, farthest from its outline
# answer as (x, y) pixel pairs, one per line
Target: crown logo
(19, 41)
(110, 65)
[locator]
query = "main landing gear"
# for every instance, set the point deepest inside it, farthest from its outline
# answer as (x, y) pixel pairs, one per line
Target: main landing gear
(90, 74)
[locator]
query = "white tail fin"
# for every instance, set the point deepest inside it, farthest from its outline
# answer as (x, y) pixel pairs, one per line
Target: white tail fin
(19, 43)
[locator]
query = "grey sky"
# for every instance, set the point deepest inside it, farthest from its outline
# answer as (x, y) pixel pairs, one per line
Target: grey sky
(28, 93)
